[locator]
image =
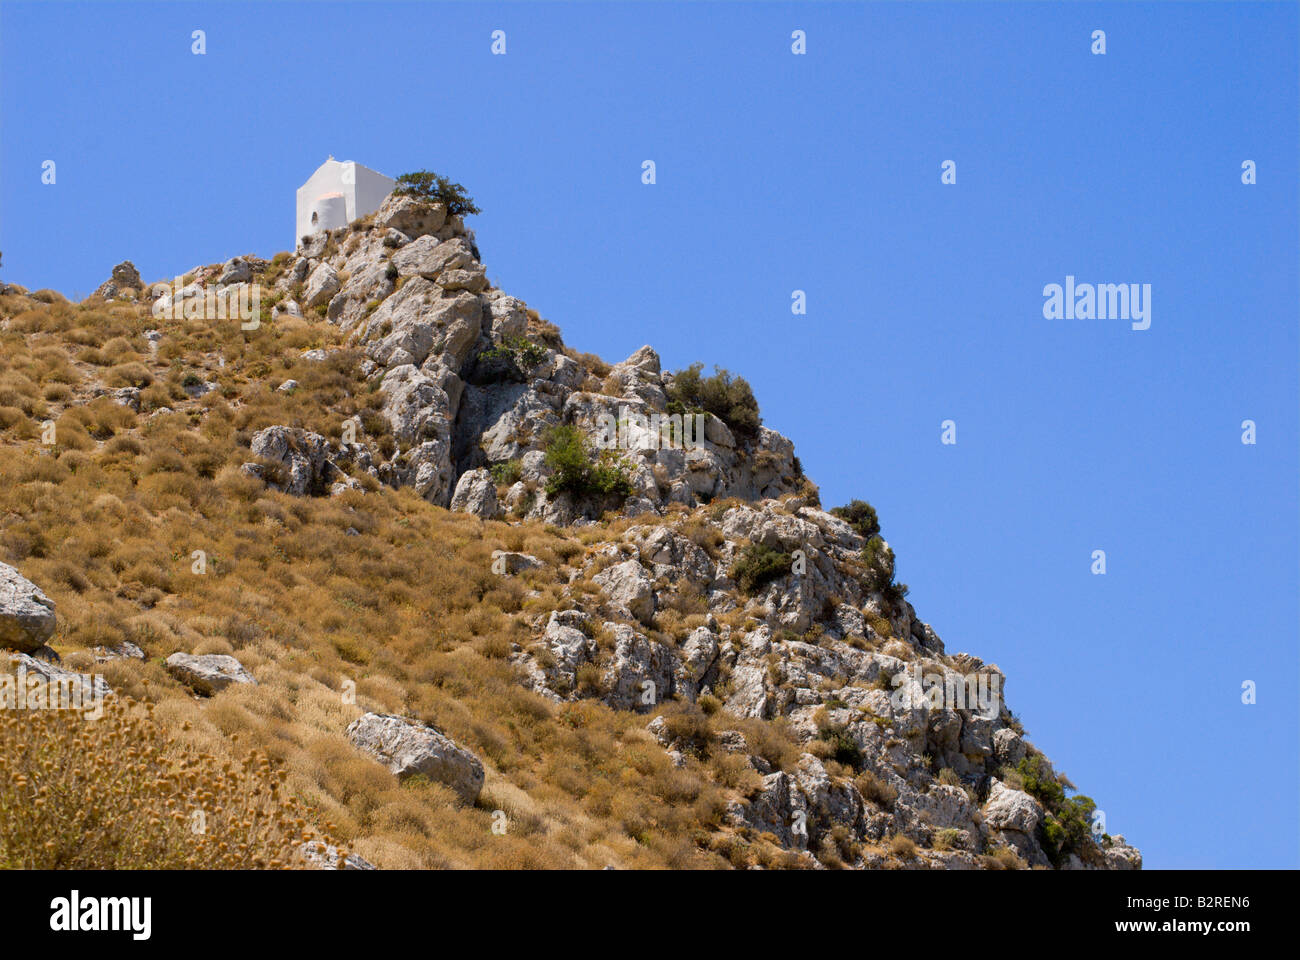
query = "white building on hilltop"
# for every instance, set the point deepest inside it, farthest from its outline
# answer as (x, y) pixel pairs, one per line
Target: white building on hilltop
(338, 193)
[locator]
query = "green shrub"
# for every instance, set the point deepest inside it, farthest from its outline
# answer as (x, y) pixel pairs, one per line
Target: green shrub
(521, 351)
(879, 559)
(758, 565)
(427, 185)
(1067, 823)
(506, 472)
(946, 838)
(861, 516)
(1040, 783)
(728, 398)
(577, 471)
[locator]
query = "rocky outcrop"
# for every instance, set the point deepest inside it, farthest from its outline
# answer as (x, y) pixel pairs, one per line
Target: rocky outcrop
(1014, 817)
(409, 749)
(629, 591)
(124, 277)
(26, 614)
(473, 378)
(894, 737)
(209, 673)
(322, 284)
(298, 460)
(477, 494)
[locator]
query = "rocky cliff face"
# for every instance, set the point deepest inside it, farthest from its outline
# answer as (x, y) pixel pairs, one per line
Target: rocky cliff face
(715, 594)
(473, 378)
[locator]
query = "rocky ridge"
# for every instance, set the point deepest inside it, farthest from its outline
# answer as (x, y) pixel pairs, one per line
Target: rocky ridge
(661, 617)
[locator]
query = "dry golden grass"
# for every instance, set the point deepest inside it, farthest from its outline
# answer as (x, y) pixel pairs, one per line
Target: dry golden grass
(379, 590)
(116, 792)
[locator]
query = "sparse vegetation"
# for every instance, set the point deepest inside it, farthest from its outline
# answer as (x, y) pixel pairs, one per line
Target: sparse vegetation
(861, 516)
(118, 792)
(580, 473)
(426, 185)
(730, 399)
(759, 565)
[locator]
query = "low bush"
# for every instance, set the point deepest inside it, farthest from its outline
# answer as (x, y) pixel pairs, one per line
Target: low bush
(577, 471)
(861, 516)
(759, 565)
(116, 793)
(426, 185)
(730, 399)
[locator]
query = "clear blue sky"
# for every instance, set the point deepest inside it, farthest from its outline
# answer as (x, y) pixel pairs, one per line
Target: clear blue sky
(822, 173)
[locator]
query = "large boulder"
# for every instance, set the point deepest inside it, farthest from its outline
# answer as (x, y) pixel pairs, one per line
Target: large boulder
(695, 667)
(1014, 817)
(237, 270)
(124, 277)
(628, 590)
(421, 322)
(410, 216)
(1120, 855)
(476, 493)
(639, 377)
(321, 286)
(300, 459)
(26, 614)
(429, 258)
(207, 673)
(408, 749)
(640, 672)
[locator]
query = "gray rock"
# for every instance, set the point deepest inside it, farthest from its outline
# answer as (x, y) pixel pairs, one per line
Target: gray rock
(300, 459)
(429, 258)
(125, 650)
(640, 672)
(208, 673)
(26, 614)
(510, 562)
(238, 270)
(90, 687)
(410, 216)
(321, 286)
(476, 493)
(123, 277)
(695, 665)
(408, 748)
(628, 590)
(1009, 809)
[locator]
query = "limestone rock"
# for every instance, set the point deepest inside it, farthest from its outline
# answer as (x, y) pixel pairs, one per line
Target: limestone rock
(67, 683)
(26, 614)
(628, 589)
(321, 285)
(410, 216)
(408, 748)
(300, 459)
(476, 493)
(208, 673)
(320, 856)
(123, 277)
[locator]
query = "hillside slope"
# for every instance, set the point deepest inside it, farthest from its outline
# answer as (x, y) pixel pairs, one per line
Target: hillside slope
(662, 654)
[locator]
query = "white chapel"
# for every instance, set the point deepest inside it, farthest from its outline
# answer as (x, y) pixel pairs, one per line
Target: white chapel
(338, 193)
